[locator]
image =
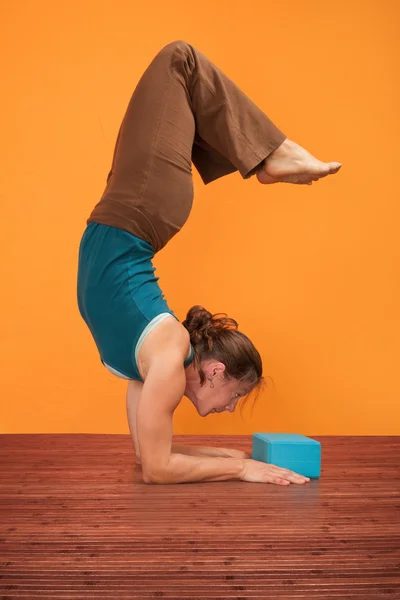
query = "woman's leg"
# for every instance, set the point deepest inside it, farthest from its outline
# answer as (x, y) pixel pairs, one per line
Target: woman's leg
(194, 112)
(185, 109)
(191, 110)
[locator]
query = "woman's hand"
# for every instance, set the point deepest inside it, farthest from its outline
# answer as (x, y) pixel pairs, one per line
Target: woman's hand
(255, 471)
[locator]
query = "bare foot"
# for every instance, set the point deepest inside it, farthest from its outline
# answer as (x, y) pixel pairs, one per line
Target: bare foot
(290, 163)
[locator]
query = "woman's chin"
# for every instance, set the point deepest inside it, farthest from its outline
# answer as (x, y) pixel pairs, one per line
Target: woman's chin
(202, 412)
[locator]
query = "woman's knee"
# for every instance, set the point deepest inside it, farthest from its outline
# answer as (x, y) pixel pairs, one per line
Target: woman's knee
(177, 49)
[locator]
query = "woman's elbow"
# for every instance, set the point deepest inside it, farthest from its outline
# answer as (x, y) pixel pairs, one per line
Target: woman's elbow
(153, 475)
(146, 477)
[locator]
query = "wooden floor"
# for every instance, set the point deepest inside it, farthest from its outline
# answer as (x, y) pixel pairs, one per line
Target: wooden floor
(78, 522)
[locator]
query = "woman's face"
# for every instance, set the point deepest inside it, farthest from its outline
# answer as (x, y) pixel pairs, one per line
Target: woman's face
(222, 397)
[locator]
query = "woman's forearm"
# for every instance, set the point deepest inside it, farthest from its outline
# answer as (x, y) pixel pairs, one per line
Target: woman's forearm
(208, 451)
(195, 450)
(182, 468)
(203, 451)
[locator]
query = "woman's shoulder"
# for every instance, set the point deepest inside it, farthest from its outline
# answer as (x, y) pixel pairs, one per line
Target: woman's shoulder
(170, 337)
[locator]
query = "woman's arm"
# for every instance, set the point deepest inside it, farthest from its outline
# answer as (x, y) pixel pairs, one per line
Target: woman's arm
(161, 394)
(132, 401)
(209, 451)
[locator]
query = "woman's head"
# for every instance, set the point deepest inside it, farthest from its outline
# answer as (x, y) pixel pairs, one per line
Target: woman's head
(226, 365)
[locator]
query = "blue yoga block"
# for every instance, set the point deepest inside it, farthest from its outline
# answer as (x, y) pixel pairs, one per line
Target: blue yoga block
(289, 451)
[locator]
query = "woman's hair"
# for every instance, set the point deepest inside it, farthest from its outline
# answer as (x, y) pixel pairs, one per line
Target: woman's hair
(219, 339)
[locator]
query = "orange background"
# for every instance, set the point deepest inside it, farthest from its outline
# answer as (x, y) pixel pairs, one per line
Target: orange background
(310, 273)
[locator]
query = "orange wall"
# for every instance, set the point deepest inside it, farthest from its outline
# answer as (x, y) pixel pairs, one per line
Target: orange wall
(310, 273)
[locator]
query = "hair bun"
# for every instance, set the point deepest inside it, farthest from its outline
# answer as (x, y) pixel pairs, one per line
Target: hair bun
(201, 324)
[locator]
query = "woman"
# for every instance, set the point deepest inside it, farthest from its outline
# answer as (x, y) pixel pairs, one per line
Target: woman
(183, 110)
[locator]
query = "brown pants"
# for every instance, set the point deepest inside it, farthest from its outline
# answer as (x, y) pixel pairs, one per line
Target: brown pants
(183, 110)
